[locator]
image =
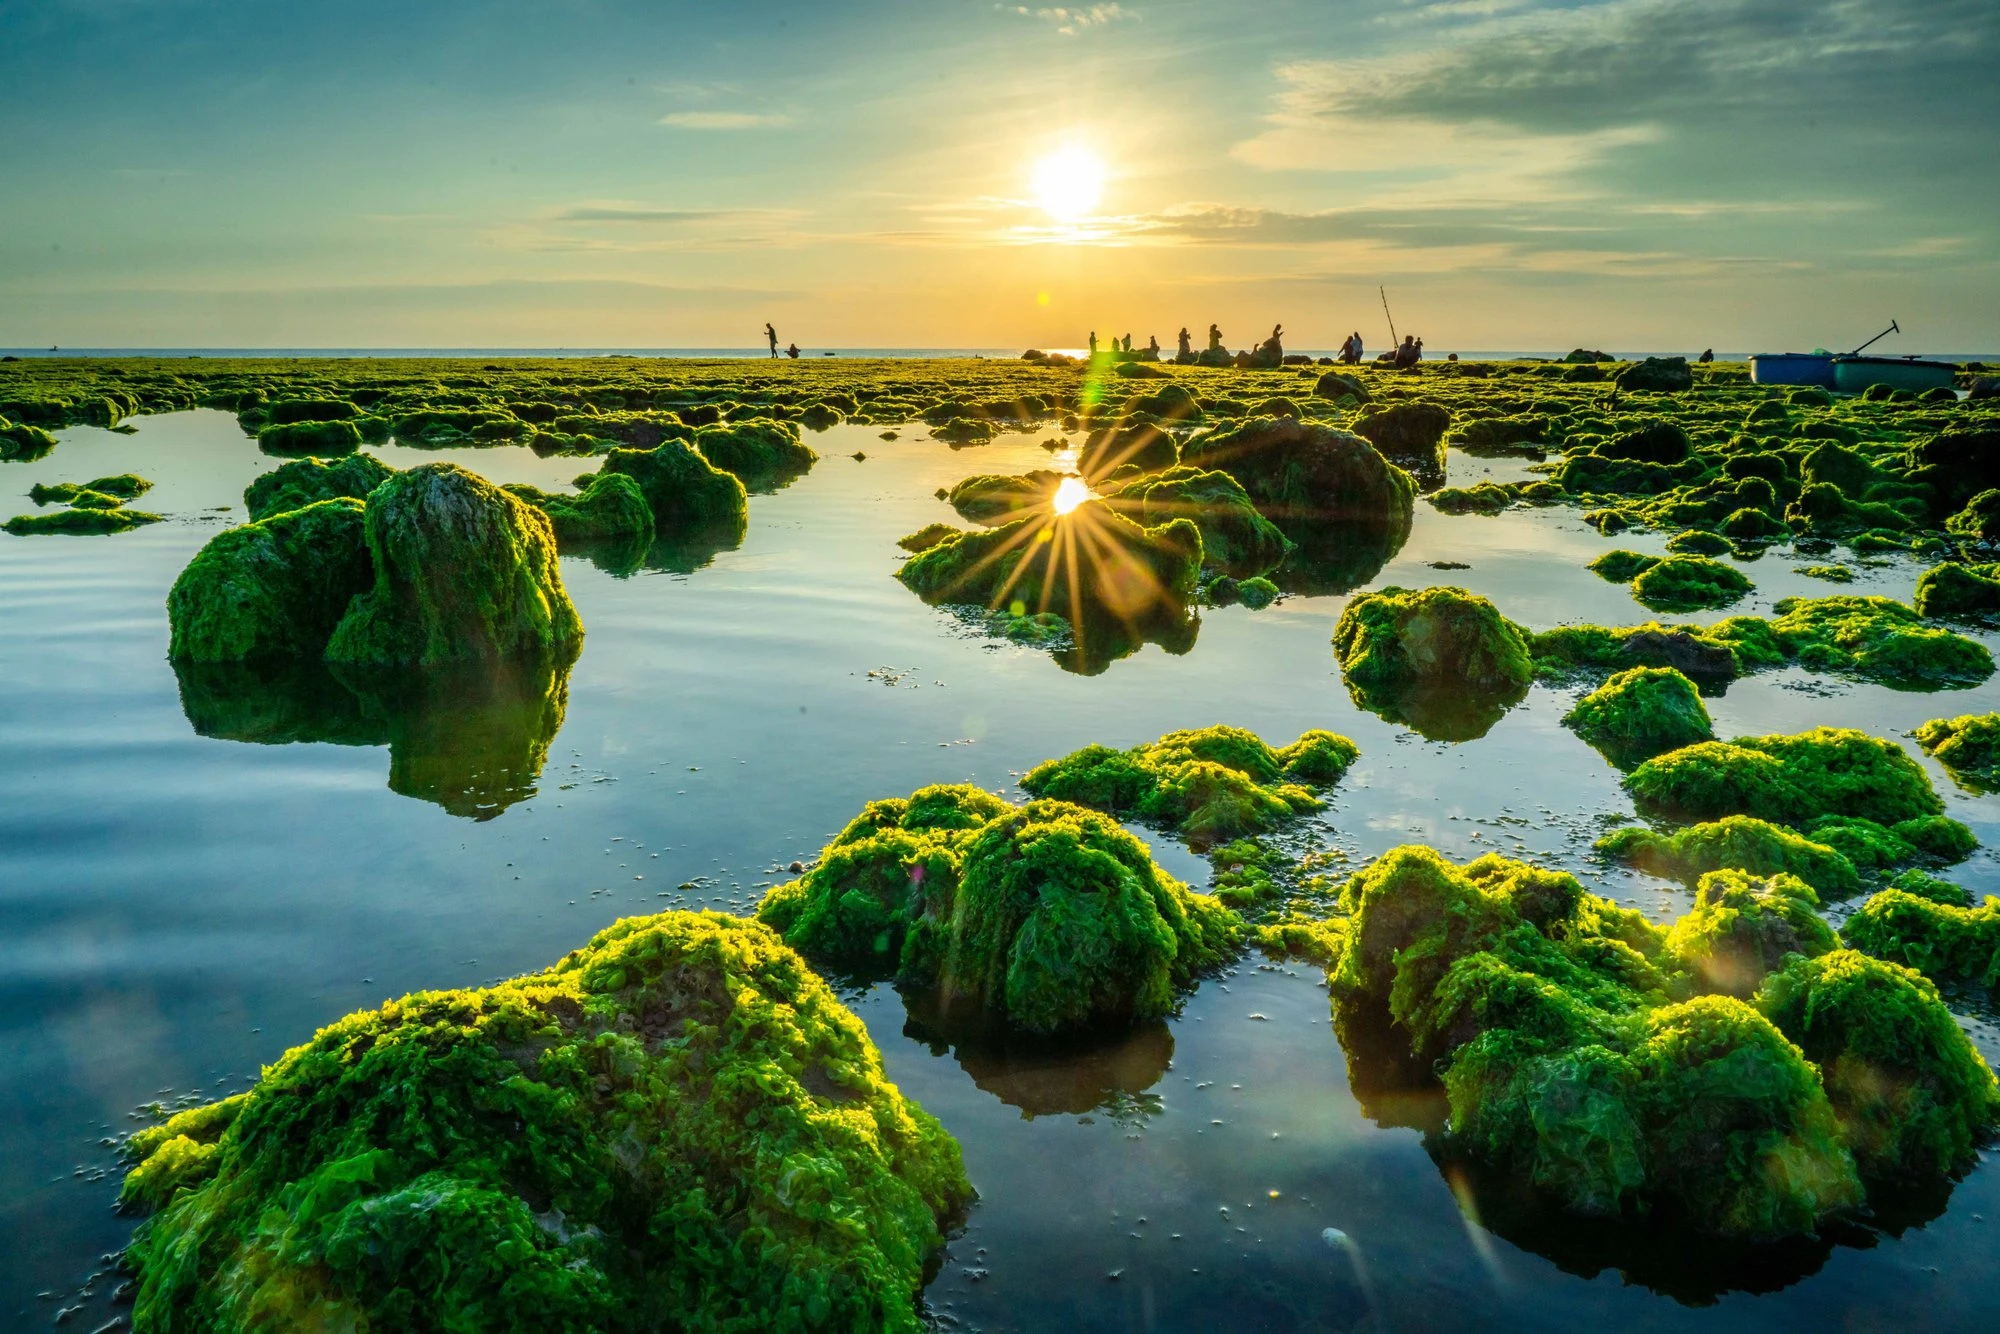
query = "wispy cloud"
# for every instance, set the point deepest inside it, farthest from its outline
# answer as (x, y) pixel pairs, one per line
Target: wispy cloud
(640, 213)
(725, 120)
(1071, 20)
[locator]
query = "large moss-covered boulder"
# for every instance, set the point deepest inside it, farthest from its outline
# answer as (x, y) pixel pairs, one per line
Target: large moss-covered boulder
(274, 588)
(683, 488)
(1235, 538)
(678, 1126)
(1968, 746)
(1126, 444)
(307, 481)
(1640, 713)
(1742, 927)
(1735, 842)
(764, 455)
(1441, 659)
(1213, 784)
(463, 572)
(1787, 779)
(1410, 435)
(1959, 591)
(1658, 375)
(610, 508)
(1914, 1098)
(1047, 916)
(1300, 472)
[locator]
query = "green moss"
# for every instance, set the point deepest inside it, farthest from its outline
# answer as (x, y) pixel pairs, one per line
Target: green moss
(1257, 593)
(94, 500)
(1735, 842)
(677, 1126)
(611, 508)
(1968, 746)
(1140, 445)
(1878, 639)
(763, 455)
(324, 438)
(307, 481)
(79, 521)
(1639, 713)
(1235, 538)
(1090, 558)
(989, 499)
(1959, 592)
(1688, 583)
(1410, 435)
(1441, 659)
(1873, 846)
(1940, 940)
(1213, 784)
(463, 572)
(120, 487)
(1742, 927)
(274, 588)
(1927, 886)
(684, 490)
(1838, 574)
(1048, 915)
(1481, 498)
(1695, 542)
(1622, 567)
(1913, 1096)
(22, 443)
(1300, 472)
(928, 536)
(1979, 520)
(1787, 779)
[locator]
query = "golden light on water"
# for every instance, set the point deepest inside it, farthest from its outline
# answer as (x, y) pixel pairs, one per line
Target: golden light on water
(1070, 493)
(1069, 182)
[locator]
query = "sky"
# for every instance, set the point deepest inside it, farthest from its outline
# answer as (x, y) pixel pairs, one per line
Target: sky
(1518, 174)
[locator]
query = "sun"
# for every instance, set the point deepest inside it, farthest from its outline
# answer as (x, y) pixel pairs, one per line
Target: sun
(1069, 182)
(1070, 493)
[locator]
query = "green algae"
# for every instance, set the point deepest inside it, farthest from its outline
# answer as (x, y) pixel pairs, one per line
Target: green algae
(1958, 591)
(463, 572)
(1874, 846)
(1735, 842)
(1622, 567)
(611, 508)
(1968, 747)
(1410, 435)
(1257, 593)
(676, 1126)
(1878, 639)
(1482, 498)
(1048, 915)
(80, 521)
(1913, 1096)
(307, 481)
(273, 588)
(1235, 538)
(1689, 583)
(928, 536)
(119, 487)
(1742, 927)
(1212, 784)
(1139, 444)
(764, 455)
(1952, 941)
(1979, 520)
(23, 443)
(995, 500)
(1301, 472)
(1639, 713)
(1787, 779)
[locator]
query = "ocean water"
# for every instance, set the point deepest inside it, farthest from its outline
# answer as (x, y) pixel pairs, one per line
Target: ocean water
(178, 907)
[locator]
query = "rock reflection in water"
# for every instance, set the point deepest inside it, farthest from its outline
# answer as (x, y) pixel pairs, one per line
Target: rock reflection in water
(471, 738)
(1110, 1075)
(1451, 711)
(1336, 556)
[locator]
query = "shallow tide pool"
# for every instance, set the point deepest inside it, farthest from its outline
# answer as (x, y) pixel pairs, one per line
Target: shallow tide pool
(176, 909)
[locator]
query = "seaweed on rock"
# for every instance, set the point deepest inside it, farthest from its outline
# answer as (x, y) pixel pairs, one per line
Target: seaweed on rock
(764, 455)
(683, 489)
(87, 520)
(1212, 784)
(1639, 713)
(321, 438)
(1735, 842)
(1958, 591)
(463, 572)
(277, 587)
(610, 508)
(307, 481)
(1440, 659)
(1968, 747)
(1743, 926)
(1048, 915)
(1952, 941)
(1878, 639)
(1787, 779)
(677, 1125)
(1235, 538)
(1689, 583)
(1410, 435)
(1300, 472)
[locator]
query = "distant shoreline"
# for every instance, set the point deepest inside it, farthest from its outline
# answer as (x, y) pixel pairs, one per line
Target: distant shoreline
(757, 353)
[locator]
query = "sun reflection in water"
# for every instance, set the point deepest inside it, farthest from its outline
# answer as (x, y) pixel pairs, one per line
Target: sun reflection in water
(1070, 493)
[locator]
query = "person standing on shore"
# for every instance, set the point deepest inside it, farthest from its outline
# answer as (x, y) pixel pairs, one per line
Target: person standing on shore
(771, 334)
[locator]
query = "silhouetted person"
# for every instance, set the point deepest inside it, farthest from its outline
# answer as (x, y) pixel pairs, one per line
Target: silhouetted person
(1277, 333)
(1707, 357)
(1214, 339)
(1187, 343)
(793, 351)
(1406, 354)
(1127, 345)
(1153, 345)
(1093, 344)
(772, 335)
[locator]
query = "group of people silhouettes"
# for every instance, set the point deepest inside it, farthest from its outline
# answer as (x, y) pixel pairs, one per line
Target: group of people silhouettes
(1405, 355)
(771, 335)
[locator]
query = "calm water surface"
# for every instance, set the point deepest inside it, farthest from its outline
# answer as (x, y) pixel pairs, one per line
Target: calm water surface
(176, 909)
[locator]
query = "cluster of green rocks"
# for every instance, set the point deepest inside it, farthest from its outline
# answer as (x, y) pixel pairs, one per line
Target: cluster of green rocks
(96, 506)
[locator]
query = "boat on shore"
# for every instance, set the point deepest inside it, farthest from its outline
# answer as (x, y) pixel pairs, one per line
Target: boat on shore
(1811, 368)
(1852, 375)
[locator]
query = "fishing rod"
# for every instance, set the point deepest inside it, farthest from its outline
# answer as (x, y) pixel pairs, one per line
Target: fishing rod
(1893, 328)
(1385, 310)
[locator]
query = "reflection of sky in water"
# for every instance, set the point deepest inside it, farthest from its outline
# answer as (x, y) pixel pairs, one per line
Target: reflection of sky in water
(180, 908)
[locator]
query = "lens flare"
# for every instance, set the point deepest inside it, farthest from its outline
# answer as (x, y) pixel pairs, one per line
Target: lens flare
(1070, 493)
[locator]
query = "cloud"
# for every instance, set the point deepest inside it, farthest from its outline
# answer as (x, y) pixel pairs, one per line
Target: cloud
(638, 213)
(725, 120)
(1069, 21)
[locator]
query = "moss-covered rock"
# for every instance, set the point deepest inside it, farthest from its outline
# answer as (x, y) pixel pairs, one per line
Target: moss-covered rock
(1913, 1096)
(1410, 435)
(1301, 472)
(323, 438)
(1640, 713)
(610, 508)
(463, 572)
(990, 499)
(928, 536)
(676, 1126)
(1787, 779)
(1942, 940)
(1959, 592)
(1089, 558)
(80, 522)
(1048, 915)
(307, 481)
(1441, 659)
(119, 487)
(1735, 842)
(1742, 926)
(1689, 583)
(1213, 784)
(24, 443)
(1140, 445)
(1480, 498)
(1621, 566)
(683, 489)
(1874, 846)
(1968, 746)
(274, 588)
(1879, 639)
(1235, 538)
(762, 454)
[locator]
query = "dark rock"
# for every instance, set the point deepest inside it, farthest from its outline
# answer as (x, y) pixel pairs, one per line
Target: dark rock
(1681, 651)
